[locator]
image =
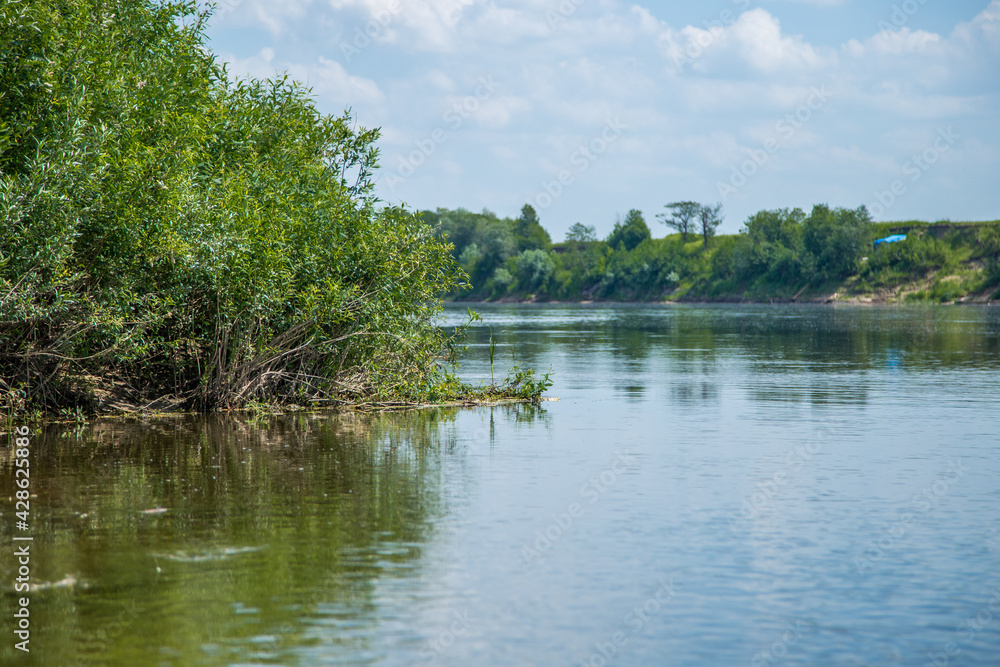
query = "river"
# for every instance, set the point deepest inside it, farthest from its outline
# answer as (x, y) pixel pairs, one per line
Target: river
(716, 485)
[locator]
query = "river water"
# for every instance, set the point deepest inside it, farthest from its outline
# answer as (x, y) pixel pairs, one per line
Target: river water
(730, 485)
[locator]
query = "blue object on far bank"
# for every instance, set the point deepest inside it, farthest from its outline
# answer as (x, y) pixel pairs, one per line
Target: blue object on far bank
(890, 239)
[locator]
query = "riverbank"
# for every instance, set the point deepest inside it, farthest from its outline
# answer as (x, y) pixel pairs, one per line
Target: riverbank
(828, 299)
(926, 289)
(95, 396)
(780, 256)
(833, 298)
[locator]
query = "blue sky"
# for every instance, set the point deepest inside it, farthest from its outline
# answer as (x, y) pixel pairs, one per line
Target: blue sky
(589, 108)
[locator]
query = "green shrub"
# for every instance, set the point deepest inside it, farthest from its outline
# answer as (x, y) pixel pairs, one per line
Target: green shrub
(630, 232)
(915, 256)
(532, 270)
(185, 233)
(836, 239)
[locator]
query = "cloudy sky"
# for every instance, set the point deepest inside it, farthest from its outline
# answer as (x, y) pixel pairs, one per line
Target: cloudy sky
(588, 108)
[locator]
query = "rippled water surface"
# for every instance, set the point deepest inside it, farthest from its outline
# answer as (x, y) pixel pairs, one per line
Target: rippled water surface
(716, 486)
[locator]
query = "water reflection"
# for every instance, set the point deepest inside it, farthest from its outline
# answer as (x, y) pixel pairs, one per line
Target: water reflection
(691, 393)
(212, 540)
(781, 345)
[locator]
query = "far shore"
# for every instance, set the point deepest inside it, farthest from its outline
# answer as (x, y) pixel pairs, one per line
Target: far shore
(831, 300)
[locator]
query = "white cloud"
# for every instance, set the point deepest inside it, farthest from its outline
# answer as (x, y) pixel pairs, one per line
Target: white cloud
(430, 24)
(920, 74)
(648, 23)
(440, 80)
(496, 114)
(755, 39)
(504, 26)
(689, 122)
(273, 15)
(759, 40)
(986, 23)
(259, 66)
(327, 78)
(718, 149)
(900, 42)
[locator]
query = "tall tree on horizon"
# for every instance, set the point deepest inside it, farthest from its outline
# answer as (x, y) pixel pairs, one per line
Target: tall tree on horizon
(581, 233)
(530, 233)
(682, 216)
(710, 218)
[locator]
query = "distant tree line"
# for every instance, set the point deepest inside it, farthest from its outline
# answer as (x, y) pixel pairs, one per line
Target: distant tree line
(779, 253)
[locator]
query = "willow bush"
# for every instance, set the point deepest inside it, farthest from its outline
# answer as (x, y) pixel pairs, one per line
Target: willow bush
(169, 230)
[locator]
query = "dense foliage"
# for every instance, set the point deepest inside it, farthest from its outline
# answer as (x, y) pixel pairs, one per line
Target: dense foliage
(953, 260)
(500, 255)
(167, 230)
(778, 254)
